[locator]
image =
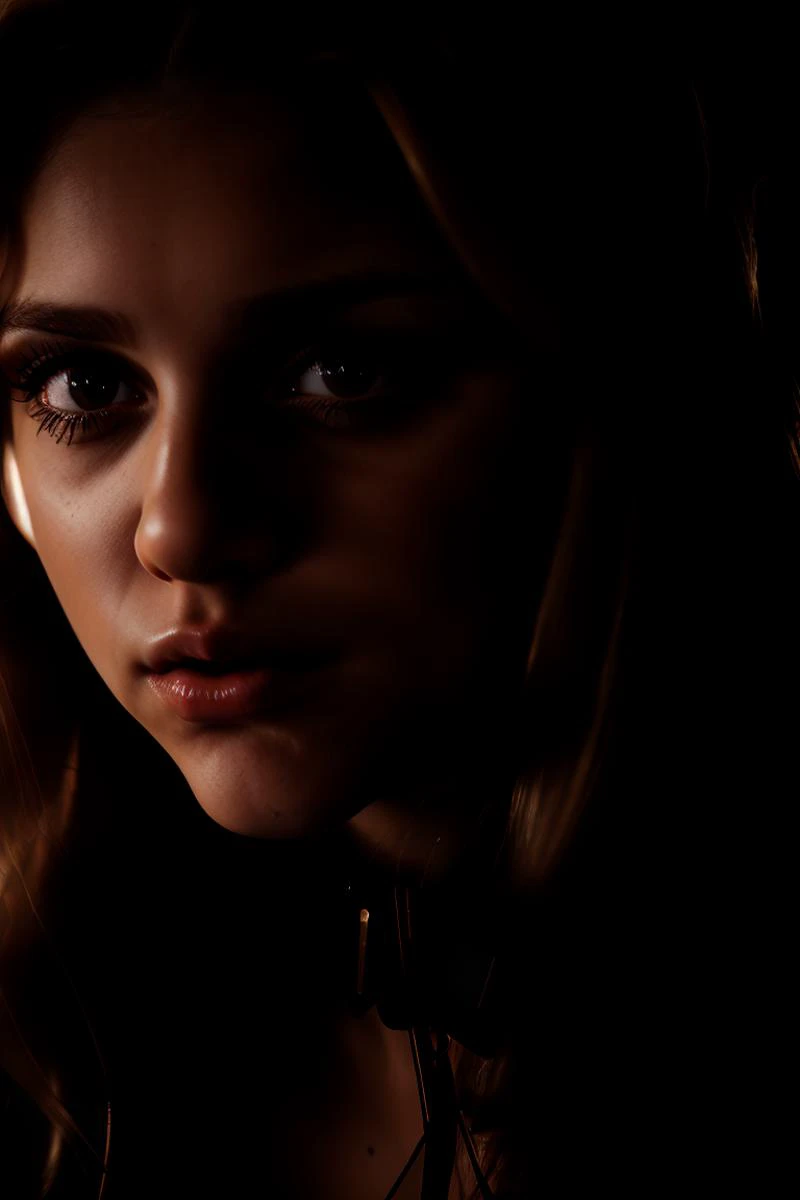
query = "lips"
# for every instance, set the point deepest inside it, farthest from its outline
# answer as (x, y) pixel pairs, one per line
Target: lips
(215, 675)
(199, 666)
(214, 650)
(227, 697)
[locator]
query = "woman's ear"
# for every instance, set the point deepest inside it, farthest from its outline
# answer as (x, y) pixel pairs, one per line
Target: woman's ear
(14, 495)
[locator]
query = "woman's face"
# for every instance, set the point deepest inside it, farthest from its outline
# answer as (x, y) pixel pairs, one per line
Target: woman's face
(310, 434)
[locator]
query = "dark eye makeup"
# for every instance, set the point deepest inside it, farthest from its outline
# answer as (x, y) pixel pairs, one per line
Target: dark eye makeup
(345, 381)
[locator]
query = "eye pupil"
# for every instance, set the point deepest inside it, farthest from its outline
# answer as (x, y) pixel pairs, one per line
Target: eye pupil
(346, 381)
(91, 389)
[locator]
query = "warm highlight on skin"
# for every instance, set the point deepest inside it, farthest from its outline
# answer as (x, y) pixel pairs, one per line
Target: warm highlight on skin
(388, 546)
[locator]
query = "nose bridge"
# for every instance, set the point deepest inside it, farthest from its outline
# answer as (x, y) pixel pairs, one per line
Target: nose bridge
(184, 529)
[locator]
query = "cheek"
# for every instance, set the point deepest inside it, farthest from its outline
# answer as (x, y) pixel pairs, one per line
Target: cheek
(448, 514)
(442, 534)
(79, 543)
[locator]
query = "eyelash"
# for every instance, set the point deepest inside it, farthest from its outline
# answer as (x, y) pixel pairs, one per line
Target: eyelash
(48, 360)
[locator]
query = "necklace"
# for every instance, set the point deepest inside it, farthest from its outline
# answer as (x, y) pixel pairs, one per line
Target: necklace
(390, 973)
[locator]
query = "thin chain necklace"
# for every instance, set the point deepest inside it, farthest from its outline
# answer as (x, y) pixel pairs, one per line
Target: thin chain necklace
(442, 1116)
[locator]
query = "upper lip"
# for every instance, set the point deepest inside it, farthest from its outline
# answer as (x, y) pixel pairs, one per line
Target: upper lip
(225, 647)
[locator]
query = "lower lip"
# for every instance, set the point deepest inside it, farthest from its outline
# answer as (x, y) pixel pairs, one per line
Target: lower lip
(198, 697)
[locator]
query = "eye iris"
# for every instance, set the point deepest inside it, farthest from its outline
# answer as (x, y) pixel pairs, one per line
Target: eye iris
(91, 389)
(346, 381)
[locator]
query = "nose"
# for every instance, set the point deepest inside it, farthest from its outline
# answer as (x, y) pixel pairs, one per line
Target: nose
(204, 514)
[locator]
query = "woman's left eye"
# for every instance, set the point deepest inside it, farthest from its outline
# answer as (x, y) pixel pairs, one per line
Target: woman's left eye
(330, 386)
(377, 378)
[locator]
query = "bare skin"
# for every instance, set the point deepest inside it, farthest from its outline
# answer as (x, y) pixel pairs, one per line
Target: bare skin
(384, 538)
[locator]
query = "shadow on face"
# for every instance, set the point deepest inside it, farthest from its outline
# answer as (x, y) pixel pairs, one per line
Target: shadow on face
(250, 388)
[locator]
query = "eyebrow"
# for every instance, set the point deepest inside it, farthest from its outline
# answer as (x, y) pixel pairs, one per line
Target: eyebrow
(90, 324)
(308, 300)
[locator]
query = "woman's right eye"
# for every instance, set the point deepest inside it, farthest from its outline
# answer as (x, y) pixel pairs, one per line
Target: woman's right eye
(69, 393)
(85, 389)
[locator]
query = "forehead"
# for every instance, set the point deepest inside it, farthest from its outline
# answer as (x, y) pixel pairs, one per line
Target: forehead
(216, 198)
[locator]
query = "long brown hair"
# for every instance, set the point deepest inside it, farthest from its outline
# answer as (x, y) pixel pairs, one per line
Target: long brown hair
(576, 198)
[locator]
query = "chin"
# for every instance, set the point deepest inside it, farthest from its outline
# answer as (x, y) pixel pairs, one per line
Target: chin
(264, 819)
(265, 793)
